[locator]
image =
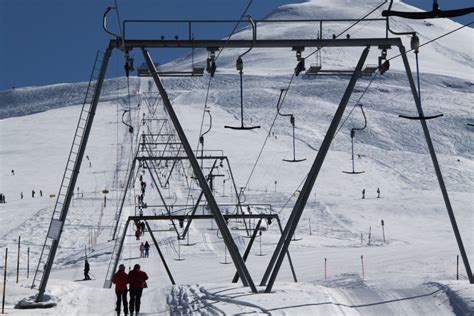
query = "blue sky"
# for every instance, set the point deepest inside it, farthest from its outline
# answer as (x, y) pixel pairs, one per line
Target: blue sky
(53, 41)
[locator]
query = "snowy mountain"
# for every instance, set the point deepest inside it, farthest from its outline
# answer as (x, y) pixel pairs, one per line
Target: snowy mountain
(411, 272)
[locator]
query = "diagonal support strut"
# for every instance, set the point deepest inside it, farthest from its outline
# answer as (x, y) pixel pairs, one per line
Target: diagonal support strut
(220, 221)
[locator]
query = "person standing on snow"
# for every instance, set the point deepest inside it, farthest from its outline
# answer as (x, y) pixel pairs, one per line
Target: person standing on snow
(378, 193)
(86, 271)
(120, 279)
(147, 249)
(33, 193)
(41, 193)
(142, 228)
(21, 195)
(142, 250)
(363, 193)
(137, 279)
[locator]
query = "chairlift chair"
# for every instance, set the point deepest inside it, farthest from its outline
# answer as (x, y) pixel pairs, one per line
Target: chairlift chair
(353, 131)
(292, 121)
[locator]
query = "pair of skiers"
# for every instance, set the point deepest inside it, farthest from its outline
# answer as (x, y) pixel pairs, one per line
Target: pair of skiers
(378, 193)
(137, 281)
(145, 250)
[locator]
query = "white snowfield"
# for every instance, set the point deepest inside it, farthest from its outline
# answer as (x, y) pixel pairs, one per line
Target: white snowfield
(412, 272)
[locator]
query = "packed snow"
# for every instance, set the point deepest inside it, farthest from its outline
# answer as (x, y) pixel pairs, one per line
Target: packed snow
(411, 272)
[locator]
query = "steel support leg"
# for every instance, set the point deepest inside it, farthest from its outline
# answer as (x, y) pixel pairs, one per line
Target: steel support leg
(195, 207)
(284, 242)
(287, 254)
(249, 247)
(119, 252)
(221, 223)
(75, 172)
(161, 254)
(442, 186)
(124, 196)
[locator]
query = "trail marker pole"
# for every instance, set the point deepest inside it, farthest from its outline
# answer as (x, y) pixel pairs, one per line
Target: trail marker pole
(325, 269)
(362, 264)
(383, 231)
(28, 263)
(370, 233)
(4, 280)
(310, 233)
(18, 261)
(457, 267)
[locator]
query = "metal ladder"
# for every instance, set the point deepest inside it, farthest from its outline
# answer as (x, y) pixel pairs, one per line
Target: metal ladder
(71, 171)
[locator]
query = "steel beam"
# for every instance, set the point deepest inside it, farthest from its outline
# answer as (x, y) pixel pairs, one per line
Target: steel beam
(75, 172)
(275, 43)
(285, 240)
(290, 262)
(220, 221)
(210, 216)
(178, 158)
(161, 254)
(434, 159)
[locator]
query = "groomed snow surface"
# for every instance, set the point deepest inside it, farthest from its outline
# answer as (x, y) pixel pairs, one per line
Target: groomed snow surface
(412, 273)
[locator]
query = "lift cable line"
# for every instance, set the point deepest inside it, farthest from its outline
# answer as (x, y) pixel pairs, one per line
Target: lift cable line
(353, 132)
(349, 27)
(291, 81)
(435, 39)
(292, 121)
(435, 13)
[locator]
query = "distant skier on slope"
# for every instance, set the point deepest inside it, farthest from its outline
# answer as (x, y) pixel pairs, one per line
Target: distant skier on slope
(86, 271)
(147, 249)
(120, 279)
(21, 195)
(137, 279)
(378, 193)
(363, 193)
(142, 250)
(142, 227)
(33, 193)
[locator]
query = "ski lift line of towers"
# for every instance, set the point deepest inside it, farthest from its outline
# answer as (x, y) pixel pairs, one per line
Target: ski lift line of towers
(89, 108)
(153, 149)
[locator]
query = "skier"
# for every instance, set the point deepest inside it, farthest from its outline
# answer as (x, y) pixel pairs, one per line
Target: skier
(120, 279)
(142, 228)
(21, 195)
(378, 193)
(33, 193)
(363, 193)
(137, 279)
(147, 249)
(137, 234)
(13, 172)
(2, 198)
(142, 250)
(41, 193)
(86, 271)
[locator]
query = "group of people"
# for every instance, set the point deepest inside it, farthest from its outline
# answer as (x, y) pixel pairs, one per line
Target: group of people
(139, 229)
(378, 193)
(136, 279)
(145, 250)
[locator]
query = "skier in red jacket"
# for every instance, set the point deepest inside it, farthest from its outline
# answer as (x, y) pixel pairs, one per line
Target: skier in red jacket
(137, 280)
(120, 279)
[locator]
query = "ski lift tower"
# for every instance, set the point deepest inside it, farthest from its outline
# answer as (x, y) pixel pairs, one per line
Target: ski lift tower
(124, 44)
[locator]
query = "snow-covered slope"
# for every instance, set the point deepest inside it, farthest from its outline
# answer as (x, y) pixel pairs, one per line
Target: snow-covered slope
(411, 273)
